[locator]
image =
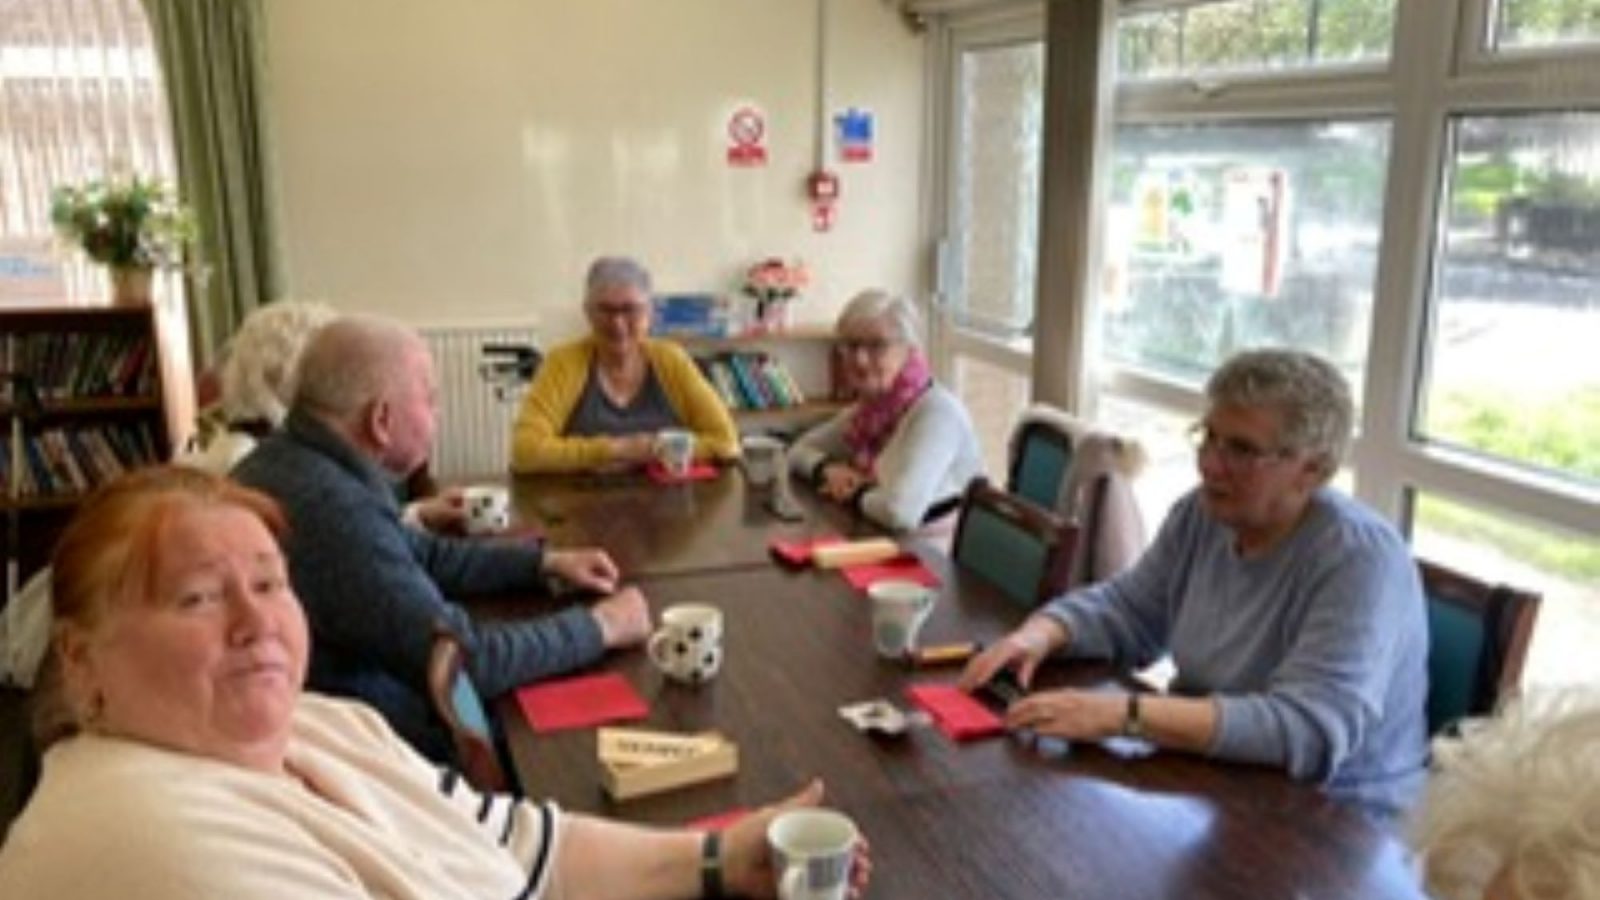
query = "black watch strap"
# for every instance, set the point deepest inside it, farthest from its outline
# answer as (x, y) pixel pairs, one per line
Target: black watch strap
(711, 866)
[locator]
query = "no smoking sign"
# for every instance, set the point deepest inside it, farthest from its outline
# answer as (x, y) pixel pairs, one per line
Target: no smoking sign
(747, 130)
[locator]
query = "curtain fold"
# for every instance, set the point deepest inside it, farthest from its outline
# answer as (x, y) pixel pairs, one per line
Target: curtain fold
(211, 57)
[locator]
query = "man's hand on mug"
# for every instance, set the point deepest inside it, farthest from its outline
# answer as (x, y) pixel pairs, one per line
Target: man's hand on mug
(623, 617)
(444, 512)
(588, 568)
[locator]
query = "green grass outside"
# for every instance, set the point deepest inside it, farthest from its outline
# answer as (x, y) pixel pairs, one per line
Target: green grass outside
(1561, 434)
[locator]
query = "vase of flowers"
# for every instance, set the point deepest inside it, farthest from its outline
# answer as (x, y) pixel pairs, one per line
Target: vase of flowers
(133, 227)
(773, 283)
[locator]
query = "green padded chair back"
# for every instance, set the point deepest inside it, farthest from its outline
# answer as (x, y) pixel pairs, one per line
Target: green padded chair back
(1456, 639)
(1478, 638)
(1018, 547)
(1043, 456)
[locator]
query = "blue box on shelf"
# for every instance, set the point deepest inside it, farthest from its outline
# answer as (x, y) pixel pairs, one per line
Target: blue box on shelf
(695, 315)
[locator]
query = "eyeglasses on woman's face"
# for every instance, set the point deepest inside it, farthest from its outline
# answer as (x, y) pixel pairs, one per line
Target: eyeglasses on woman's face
(1236, 454)
(874, 347)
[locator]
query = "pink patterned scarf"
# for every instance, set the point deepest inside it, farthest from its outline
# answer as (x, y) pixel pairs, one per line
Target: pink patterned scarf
(876, 418)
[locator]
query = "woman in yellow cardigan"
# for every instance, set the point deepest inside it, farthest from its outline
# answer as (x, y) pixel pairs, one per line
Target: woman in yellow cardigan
(598, 402)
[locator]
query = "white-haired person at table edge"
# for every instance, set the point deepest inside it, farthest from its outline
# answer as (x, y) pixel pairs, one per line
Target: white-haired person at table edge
(184, 761)
(1294, 615)
(905, 450)
(598, 402)
(1512, 811)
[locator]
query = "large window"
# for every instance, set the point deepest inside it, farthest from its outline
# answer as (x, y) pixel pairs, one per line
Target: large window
(1513, 373)
(1409, 189)
(995, 210)
(1253, 35)
(81, 97)
(1222, 237)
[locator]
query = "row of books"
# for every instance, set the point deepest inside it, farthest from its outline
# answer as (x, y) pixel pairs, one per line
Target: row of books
(68, 364)
(752, 381)
(68, 461)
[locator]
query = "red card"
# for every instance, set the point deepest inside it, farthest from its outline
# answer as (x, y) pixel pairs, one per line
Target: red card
(797, 552)
(718, 821)
(580, 702)
(700, 471)
(959, 716)
(905, 567)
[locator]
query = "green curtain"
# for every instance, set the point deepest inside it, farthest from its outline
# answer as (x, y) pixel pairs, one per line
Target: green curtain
(211, 58)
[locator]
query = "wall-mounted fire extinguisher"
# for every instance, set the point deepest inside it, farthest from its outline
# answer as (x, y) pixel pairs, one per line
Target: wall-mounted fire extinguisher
(822, 187)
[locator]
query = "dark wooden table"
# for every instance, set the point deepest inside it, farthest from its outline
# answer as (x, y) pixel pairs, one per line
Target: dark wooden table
(986, 819)
(653, 529)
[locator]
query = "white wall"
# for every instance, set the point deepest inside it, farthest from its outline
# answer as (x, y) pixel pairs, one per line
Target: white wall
(449, 161)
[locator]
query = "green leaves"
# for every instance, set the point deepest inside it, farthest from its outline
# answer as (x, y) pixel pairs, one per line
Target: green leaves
(136, 223)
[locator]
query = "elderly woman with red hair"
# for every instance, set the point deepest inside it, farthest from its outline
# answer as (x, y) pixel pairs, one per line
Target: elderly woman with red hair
(185, 761)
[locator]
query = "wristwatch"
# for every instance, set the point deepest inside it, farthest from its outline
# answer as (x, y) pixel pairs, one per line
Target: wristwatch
(1132, 721)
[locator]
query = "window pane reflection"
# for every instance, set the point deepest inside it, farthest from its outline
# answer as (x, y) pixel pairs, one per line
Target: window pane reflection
(1222, 237)
(1513, 370)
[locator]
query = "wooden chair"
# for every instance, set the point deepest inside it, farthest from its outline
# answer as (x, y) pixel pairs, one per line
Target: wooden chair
(458, 704)
(1083, 473)
(1041, 454)
(1477, 642)
(1015, 545)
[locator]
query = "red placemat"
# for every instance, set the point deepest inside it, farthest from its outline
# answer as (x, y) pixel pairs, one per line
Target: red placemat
(700, 471)
(956, 714)
(797, 552)
(581, 702)
(905, 567)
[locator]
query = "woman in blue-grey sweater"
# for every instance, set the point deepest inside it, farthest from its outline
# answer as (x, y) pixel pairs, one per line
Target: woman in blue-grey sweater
(1295, 615)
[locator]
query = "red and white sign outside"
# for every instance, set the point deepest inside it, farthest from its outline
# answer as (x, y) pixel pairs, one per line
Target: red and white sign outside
(747, 129)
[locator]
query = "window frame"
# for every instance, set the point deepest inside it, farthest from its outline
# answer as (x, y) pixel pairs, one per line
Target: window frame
(1448, 69)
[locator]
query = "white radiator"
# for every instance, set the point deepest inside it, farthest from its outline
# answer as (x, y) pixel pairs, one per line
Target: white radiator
(475, 411)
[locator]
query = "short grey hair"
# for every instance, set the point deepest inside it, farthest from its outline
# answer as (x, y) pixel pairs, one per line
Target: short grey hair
(353, 361)
(1308, 393)
(615, 271)
(1517, 793)
(261, 365)
(881, 306)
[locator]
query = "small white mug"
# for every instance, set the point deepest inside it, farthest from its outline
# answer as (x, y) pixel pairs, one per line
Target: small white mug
(813, 851)
(688, 645)
(899, 608)
(763, 456)
(675, 450)
(487, 507)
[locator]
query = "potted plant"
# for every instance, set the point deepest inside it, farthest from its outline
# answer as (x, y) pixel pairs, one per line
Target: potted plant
(132, 226)
(773, 283)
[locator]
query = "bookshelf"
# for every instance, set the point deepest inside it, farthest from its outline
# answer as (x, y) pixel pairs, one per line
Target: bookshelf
(81, 389)
(758, 375)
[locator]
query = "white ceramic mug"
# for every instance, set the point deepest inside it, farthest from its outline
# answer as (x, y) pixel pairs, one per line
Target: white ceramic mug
(898, 610)
(688, 645)
(675, 450)
(812, 852)
(763, 456)
(487, 507)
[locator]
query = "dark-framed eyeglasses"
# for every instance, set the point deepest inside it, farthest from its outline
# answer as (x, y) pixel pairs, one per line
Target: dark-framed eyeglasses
(1235, 454)
(619, 310)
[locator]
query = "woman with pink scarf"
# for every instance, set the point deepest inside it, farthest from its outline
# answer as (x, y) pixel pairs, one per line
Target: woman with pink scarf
(902, 453)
